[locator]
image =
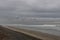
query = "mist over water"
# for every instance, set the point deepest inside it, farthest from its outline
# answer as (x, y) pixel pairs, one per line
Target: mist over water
(11, 19)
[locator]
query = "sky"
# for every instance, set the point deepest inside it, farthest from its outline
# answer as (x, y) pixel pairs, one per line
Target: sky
(30, 7)
(38, 8)
(26, 9)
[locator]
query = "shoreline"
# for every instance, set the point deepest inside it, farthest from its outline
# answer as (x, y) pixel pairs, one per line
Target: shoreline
(35, 34)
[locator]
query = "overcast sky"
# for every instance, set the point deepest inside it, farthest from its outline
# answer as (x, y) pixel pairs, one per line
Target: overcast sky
(9, 9)
(40, 8)
(30, 7)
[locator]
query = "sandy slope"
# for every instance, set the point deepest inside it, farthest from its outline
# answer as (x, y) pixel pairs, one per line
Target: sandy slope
(36, 34)
(6, 34)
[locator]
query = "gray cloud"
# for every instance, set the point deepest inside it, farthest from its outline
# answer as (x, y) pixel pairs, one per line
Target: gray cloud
(29, 7)
(25, 9)
(36, 7)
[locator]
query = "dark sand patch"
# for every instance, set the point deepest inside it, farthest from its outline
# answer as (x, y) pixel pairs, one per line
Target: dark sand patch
(6, 34)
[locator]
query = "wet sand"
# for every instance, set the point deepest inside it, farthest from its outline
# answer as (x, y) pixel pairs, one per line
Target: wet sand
(7, 34)
(36, 34)
(22, 34)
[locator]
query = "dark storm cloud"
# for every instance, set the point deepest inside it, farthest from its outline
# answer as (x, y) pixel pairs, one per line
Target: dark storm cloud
(26, 9)
(30, 7)
(38, 8)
